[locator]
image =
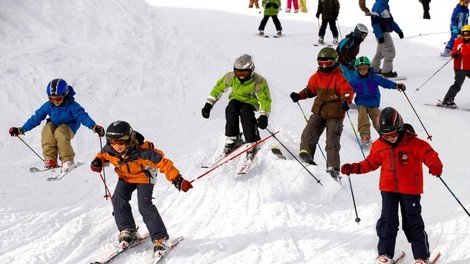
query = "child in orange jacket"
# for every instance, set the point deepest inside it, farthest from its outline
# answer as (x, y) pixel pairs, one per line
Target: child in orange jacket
(136, 164)
(400, 154)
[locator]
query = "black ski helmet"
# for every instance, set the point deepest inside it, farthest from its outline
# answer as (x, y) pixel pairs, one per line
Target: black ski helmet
(119, 130)
(389, 120)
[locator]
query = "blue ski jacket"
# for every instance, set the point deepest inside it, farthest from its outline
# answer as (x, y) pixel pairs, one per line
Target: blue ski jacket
(70, 113)
(382, 19)
(367, 88)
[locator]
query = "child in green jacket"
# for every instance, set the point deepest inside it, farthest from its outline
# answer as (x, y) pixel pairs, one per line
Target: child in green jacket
(271, 9)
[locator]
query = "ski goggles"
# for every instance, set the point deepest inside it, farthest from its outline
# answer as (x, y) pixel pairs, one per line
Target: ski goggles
(243, 74)
(390, 136)
(118, 142)
(56, 98)
(466, 35)
(326, 63)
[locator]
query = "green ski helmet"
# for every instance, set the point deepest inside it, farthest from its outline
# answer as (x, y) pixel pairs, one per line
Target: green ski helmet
(362, 61)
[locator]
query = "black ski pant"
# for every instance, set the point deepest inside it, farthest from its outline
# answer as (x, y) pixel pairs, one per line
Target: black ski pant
(412, 224)
(276, 21)
(123, 211)
(459, 78)
(236, 111)
(332, 23)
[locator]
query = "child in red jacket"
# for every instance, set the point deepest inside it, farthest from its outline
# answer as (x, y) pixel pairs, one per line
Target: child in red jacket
(461, 54)
(400, 154)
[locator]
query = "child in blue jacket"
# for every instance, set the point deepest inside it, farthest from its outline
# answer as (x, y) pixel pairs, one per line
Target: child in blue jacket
(366, 86)
(458, 19)
(65, 117)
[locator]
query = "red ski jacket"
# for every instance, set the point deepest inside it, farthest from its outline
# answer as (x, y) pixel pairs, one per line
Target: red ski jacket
(462, 61)
(402, 169)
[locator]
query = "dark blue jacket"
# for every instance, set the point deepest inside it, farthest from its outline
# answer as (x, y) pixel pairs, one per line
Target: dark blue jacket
(382, 19)
(367, 88)
(70, 113)
(459, 17)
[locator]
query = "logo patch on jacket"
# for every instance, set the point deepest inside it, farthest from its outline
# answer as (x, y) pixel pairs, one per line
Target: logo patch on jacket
(403, 157)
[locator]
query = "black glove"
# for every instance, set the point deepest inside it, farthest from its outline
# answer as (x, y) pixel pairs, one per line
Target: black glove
(15, 131)
(96, 165)
(400, 34)
(206, 110)
(275, 6)
(295, 97)
(262, 121)
(345, 106)
(268, 5)
(381, 40)
(401, 87)
(456, 54)
(318, 15)
(99, 130)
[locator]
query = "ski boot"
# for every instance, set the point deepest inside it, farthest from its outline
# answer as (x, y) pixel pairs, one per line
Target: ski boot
(303, 154)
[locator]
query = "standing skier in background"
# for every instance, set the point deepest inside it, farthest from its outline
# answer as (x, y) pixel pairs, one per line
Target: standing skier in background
(383, 24)
(400, 154)
(366, 86)
(329, 11)
(65, 117)
(348, 48)
(271, 9)
(425, 4)
(250, 93)
(136, 164)
(333, 94)
(255, 3)
(458, 19)
(303, 6)
(461, 55)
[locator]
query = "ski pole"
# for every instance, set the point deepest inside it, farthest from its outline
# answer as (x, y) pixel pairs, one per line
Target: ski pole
(245, 150)
(355, 134)
(417, 89)
(453, 195)
(306, 120)
(349, 177)
(429, 136)
(31, 148)
(107, 193)
(311, 174)
(339, 30)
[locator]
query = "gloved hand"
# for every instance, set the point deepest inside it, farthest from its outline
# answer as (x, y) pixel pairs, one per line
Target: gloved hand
(345, 106)
(99, 130)
(262, 121)
(456, 54)
(181, 184)
(206, 110)
(436, 169)
(318, 15)
(381, 40)
(96, 165)
(268, 5)
(295, 97)
(455, 30)
(401, 87)
(400, 34)
(275, 6)
(349, 168)
(15, 131)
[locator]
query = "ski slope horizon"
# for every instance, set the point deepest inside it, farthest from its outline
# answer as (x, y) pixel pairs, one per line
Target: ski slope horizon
(153, 64)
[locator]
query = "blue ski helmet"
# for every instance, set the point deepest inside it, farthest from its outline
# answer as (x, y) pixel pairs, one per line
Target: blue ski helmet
(57, 87)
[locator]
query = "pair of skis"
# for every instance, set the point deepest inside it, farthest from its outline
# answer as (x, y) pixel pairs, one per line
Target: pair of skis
(157, 258)
(58, 176)
(432, 260)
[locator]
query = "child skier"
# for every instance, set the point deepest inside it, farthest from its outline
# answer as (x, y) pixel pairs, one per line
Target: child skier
(461, 55)
(383, 24)
(136, 165)
(271, 9)
(400, 154)
(250, 93)
(366, 86)
(348, 49)
(329, 9)
(332, 94)
(65, 117)
(458, 19)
